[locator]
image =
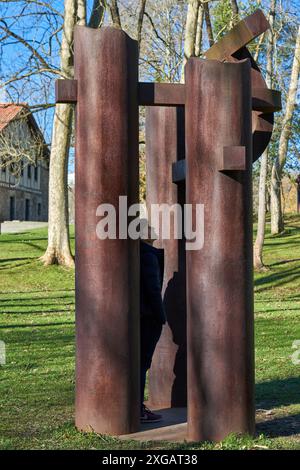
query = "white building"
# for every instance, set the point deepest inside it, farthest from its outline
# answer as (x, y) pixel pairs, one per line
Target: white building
(22, 197)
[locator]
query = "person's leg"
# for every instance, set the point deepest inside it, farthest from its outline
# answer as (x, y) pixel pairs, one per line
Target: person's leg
(143, 383)
(150, 334)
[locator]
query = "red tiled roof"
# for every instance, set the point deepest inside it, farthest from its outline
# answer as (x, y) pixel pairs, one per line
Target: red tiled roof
(8, 112)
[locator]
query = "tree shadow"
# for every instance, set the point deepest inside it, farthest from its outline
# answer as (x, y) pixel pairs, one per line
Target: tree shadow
(280, 427)
(276, 393)
(277, 279)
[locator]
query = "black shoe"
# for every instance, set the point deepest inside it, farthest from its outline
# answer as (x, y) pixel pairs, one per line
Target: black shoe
(147, 416)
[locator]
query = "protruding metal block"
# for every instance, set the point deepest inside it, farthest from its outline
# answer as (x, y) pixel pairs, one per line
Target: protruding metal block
(266, 100)
(233, 158)
(66, 91)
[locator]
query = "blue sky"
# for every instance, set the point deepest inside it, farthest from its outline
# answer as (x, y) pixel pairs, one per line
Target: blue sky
(36, 28)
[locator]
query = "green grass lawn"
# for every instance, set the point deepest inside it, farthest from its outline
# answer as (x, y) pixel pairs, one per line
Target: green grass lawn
(37, 325)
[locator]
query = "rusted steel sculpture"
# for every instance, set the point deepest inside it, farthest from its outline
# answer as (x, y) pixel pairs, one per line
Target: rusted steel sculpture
(210, 163)
(164, 147)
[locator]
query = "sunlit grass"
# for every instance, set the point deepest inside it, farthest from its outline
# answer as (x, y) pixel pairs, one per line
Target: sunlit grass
(37, 325)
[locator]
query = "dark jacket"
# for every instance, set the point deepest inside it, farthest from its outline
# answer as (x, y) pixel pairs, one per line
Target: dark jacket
(152, 273)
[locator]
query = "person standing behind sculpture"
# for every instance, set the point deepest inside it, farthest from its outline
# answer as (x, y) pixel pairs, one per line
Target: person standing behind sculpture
(152, 313)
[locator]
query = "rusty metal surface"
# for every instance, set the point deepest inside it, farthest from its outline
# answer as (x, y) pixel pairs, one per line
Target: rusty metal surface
(262, 122)
(266, 100)
(232, 48)
(161, 94)
(164, 145)
(107, 284)
(219, 277)
(239, 36)
(233, 158)
(66, 91)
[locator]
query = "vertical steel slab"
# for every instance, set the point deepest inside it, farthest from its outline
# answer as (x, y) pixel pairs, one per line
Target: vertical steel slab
(219, 276)
(165, 144)
(107, 276)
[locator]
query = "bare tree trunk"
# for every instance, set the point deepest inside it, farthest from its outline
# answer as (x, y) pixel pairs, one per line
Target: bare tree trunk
(81, 12)
(97, 14)
(115, 15)
(277, 222)
(235, 9)
(58, 250)
(199, 34)
(209, 29)
(261, 223)
(190, 32)
(140, 22)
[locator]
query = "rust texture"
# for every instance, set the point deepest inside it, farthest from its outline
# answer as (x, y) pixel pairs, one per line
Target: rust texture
(107, 282)
(233, 158)
(164, 146)
(239, 36)
(219, 276)
(232, 48)
(66, 91)
(161, 94)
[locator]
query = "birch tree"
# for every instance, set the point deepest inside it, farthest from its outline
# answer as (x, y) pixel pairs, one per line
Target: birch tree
(58, 249)
(199, 34)
(277, 221)
(209, 28)
(261, 223)
(190, 32)
(235, 11)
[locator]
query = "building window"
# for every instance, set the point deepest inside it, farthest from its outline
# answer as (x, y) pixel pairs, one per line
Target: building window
(27, 209)
(22, 168)
(4, 169)
(29, 172)
(36, 172)
(12, 208)
(39, 209)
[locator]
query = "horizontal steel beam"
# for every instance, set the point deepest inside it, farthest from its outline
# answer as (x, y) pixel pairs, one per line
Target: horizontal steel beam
(169, 94)
(161, 94)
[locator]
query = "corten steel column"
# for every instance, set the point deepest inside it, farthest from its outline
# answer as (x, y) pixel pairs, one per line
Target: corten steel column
(107, 285)
(219, 276)
(165, 145)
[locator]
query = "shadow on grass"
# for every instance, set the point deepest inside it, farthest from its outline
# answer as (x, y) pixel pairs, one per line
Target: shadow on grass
(24, 304)
(28, 292)
(285, 261)
(34, 325)
(276, 393)
(280, 427)
(277, 279)
(17, 265)
(21, 240)
(38, 312)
